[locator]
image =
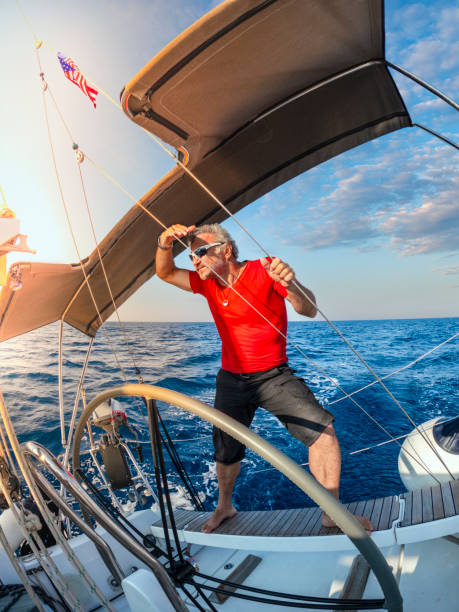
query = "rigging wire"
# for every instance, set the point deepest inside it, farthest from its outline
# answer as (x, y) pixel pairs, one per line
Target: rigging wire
(159, 485)
(121, 326)
(419, 461)
(405, 367)
(93, 231)
(378, 380)
(117, 516)
(299, 287)
(172, 452)
(303, 293)
(296, 284)
(39, 43)
(185, 245)
(76, 403)
(36, 544)
(86, 279)
(180, 467)
(137, 202)
(377, 445)
(346, 396)
(355, 452)
(82, 267)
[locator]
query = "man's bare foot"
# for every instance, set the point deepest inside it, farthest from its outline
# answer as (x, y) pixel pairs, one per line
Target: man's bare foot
(217, 519)
(363, 520)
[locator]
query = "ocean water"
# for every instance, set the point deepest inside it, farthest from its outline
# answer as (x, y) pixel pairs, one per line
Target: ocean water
(186, 357)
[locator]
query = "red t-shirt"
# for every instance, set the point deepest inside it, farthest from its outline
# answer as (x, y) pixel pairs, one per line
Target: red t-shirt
(249, 343)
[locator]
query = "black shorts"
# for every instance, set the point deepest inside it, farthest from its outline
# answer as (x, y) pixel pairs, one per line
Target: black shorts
(277, 390)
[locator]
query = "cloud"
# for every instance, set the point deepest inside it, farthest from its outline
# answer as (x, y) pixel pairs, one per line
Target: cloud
(435, 47)
(435, 104)
(448, 270)
(406, 201)
(400, 191)
(432, 227)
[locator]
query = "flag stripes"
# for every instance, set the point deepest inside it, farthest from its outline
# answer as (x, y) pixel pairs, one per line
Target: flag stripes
(73, 74)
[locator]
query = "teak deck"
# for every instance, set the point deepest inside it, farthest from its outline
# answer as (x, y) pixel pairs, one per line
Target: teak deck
(421, 506)
(426, 505)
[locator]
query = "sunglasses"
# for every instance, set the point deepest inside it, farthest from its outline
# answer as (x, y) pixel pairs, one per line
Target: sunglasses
(202, 250)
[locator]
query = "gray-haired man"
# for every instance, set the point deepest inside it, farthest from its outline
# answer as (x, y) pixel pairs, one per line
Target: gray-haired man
(254, 362)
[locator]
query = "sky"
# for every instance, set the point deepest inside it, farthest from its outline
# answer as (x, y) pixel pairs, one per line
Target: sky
(374, 232)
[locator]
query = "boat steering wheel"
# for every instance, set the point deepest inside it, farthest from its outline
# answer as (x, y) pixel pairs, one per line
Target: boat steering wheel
(344, 519)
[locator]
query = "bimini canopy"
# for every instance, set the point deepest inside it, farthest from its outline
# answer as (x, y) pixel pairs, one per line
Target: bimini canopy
(256, 92)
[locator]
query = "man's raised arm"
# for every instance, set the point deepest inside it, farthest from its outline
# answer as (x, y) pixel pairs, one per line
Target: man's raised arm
(165, 266)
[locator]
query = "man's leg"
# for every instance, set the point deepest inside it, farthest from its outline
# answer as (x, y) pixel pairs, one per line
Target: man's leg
(233, 397)
(325, 465)
(226, 476)
(290, 399)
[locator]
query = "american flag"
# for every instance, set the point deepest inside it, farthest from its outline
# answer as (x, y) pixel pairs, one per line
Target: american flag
(73, 74)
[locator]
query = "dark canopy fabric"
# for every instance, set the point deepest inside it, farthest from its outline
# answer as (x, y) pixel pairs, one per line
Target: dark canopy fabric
(257, 92)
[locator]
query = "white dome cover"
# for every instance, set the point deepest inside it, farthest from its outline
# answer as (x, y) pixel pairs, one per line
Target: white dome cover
(417, 459)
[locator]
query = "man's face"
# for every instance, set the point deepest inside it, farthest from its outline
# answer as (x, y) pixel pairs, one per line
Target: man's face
(213, 257)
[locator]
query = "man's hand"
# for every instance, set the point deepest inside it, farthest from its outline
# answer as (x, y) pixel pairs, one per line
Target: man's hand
(302, 299)
(164, 261)
(279, 271)
(174, 232)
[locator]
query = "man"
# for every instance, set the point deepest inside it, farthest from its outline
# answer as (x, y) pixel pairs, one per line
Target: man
(254, 361)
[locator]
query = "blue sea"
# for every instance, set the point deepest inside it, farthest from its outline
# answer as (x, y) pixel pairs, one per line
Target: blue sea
(186, 356)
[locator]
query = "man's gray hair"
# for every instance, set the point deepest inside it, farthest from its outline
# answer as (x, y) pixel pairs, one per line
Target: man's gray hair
(220, 233)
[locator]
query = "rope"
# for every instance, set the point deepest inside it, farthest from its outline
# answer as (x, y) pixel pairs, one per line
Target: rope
(180, 467)
(299, 287)
(131, 197)
(310, 598)
(47, 517)
(6, 451)
(154, 449)
(290, 342)
(296, 601)
(9, 590)
(75, 407)
(296, 284)
(86, 280)
(405, 367)
(366, 448)
(361, 450)
(123, 332)
(91, 222)
(39, 43)
(37, 546)
(139, 377)
(69, 224)
(117, 516)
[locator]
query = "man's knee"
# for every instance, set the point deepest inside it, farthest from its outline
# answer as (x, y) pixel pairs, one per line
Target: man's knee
(227, 450)
(326, 438)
